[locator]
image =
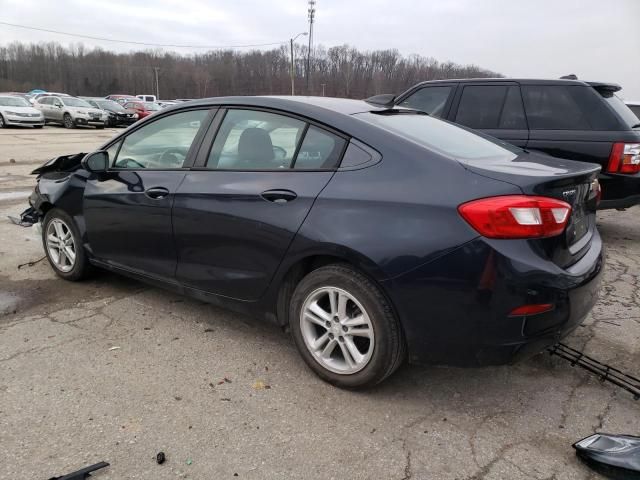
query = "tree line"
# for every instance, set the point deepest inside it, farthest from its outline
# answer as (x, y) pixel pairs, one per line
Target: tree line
(341, 71)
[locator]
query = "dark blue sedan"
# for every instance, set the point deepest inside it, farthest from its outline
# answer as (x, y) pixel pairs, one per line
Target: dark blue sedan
(374, 234)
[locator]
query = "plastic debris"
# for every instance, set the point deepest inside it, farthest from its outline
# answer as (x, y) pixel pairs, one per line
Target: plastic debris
(260, 385)
(161, 458)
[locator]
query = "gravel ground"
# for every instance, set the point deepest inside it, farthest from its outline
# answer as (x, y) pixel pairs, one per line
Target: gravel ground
(112, 369)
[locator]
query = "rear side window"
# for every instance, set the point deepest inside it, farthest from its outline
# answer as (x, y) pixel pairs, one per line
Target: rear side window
(567, 107)
(319, 150)
(491, 107)
(429, 99)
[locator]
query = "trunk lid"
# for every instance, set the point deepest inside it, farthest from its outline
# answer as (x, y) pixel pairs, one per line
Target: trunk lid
(567, 180)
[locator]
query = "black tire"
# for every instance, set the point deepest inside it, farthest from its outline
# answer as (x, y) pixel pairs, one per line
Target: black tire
(38, 126)
(2, 122)
(68, 122)
(389, 345)
(100, 127)
(81, 267)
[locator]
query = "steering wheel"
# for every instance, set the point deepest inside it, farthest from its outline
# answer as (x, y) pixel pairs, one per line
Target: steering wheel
(129, 163)
(171, 156)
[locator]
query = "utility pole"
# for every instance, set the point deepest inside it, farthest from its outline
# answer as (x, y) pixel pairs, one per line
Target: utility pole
(293, 91)
(323, 84)
(292, 67)
(312, 15)
(155, 69)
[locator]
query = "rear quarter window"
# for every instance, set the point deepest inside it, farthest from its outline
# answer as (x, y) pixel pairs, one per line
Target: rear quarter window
(567, 107)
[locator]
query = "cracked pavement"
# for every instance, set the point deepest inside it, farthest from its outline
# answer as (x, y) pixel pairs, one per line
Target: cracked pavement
(112, 369)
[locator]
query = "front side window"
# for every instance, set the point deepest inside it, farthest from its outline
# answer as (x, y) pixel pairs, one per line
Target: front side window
(429, 99)
(162, 144)
(255, 140)
(491, 107)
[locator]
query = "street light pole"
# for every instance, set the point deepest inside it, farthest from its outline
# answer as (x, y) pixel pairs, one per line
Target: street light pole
(292, 68)
(157, 87)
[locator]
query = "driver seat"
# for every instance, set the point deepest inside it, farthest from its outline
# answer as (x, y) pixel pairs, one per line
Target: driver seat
(255, 149)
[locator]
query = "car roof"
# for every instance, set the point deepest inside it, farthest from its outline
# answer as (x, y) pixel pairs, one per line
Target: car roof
(524, 81)
(294, 104)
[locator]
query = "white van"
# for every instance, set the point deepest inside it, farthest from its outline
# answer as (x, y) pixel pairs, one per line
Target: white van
(147, 98)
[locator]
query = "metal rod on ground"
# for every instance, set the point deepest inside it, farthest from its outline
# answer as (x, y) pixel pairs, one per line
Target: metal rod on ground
(605, 373)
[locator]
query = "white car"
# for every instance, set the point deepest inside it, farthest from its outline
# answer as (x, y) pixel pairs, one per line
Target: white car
(18, 111)
(70, 111)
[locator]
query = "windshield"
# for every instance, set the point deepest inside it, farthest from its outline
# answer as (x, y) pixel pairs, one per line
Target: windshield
(151, 106)
(628, 117)
(110, 105)
(75, 102)
(442, 137)
(14, 102)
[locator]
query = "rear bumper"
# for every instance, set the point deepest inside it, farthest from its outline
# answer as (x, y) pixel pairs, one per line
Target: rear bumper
(619, 191)
(455, 310)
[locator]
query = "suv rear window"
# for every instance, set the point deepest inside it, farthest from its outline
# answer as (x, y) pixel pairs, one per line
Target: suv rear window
(628, 116)
(442, 137)
(567, 107)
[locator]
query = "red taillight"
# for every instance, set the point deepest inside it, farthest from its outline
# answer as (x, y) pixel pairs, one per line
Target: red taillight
(533, 309)
(624, 158)
(517, 216)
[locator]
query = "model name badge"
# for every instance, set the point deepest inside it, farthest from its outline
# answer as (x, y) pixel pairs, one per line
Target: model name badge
(569, 193)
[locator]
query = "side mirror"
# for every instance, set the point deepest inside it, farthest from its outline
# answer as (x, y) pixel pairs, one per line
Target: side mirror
(96, 162)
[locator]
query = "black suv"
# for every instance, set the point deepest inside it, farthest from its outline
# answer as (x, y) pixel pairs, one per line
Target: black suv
(564, 118)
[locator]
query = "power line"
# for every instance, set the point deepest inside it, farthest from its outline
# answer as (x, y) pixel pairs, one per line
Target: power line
(113, 40)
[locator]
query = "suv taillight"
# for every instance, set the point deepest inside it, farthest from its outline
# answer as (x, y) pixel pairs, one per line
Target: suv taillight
(516, 216)
(624, 158)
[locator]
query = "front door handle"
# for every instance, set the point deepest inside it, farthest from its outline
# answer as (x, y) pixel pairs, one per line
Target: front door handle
(279, 196)
(156, 193)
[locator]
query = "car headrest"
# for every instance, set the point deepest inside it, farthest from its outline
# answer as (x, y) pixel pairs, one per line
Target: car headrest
(255, 145)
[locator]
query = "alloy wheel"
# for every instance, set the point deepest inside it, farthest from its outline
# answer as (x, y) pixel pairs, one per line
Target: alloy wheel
(337, 330)
(60, 245)
(1, 122)
(68, 121)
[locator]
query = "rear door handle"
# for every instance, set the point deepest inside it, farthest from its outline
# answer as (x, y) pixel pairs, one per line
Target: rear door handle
(279, 196)
(156, 193)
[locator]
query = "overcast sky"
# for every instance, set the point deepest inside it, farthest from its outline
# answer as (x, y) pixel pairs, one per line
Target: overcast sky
(595, 39)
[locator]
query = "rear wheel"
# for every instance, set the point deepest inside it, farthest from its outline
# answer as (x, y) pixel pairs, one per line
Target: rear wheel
(68, 121)
(63, 245)
(38, 126)
(100, 127)
(345, 328)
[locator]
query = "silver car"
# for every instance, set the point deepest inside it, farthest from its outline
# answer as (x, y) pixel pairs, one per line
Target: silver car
(16, 110)
(70, 111)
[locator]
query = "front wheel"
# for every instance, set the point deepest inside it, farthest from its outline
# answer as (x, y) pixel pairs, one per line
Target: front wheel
(63, 245)
(2, 122)
(345, 328)
(68, 121)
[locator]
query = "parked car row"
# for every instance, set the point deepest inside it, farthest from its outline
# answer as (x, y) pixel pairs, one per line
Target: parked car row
(39, 107)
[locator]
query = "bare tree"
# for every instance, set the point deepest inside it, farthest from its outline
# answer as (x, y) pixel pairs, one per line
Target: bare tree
(344, 70)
